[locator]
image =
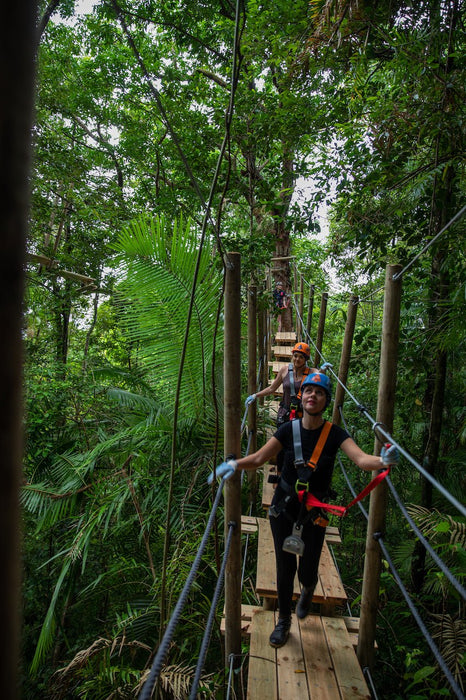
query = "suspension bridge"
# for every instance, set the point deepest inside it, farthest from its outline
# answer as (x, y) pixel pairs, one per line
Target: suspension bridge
(329, 654)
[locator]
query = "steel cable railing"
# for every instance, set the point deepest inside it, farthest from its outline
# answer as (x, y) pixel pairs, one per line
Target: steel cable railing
(438, 657)
(211, 617)
(162, 651)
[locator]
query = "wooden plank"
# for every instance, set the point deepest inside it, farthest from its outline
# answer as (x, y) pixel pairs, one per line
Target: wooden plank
(330, 579)
(268, 489)
(248, 524)
(348, 672)
(262, 677)
(352, 625)
(277, 366)
(247, 613)
(287, 336)
(266, 575)
(292, 679)
(319, 664)
(281, 350)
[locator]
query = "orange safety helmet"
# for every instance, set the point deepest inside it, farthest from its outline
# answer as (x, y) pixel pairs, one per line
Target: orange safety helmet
(303, 348)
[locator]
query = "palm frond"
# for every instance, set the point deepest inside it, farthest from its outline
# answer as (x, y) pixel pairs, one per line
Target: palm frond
(450, 634)
(158, 265)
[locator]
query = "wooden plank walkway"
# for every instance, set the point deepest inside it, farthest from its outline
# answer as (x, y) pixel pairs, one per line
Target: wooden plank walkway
(317, 663)
(247, 612)
(329, 592)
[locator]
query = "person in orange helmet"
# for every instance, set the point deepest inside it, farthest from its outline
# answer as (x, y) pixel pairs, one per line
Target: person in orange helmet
(291, 376)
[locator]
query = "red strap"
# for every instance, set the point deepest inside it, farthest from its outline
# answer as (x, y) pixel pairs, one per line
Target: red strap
(312, 501)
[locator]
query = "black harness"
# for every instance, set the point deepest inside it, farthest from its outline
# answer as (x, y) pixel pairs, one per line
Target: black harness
(304, 471)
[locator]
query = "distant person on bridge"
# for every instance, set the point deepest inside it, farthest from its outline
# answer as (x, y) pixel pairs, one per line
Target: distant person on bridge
(281, 300)
(310, 446)
(291, 376)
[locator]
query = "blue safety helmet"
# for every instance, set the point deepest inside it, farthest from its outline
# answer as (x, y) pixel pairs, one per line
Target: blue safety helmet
(319, 379)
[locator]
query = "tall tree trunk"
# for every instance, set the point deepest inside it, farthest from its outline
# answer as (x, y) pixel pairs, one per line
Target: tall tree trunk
(443, 205)
(17, 61)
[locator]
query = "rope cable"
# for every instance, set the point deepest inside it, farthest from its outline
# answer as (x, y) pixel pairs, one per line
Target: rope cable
(367, 673)
(211, 617)
(440, 563)
(454, 582)
(377, 426)
(403, 590)
(420, 623)
(146, 692)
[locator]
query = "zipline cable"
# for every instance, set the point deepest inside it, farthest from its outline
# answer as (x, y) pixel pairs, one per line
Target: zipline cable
(146, 692)
(454, 582)
(440, 563)
(210, 620)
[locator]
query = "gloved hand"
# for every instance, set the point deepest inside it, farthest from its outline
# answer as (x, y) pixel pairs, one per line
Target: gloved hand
(250, 400)
(225, 469)
(326, 365)
(389, 454)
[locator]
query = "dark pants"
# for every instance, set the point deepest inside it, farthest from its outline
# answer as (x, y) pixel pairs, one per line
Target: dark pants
(313, 538)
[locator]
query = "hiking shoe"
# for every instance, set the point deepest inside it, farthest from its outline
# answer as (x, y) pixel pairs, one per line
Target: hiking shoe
(304, 602)
(280, 634)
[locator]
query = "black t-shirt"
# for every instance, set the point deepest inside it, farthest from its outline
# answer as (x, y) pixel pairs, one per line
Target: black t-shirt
(321, 477)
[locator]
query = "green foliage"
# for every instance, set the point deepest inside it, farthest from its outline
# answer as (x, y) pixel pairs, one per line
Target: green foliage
(158, 266)
(366, 104)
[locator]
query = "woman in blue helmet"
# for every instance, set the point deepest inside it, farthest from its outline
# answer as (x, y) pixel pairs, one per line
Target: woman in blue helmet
(310, 450)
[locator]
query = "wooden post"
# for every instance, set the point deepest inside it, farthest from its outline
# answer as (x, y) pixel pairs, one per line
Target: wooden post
(232, 446)
(252, 383)
(300, 335)
(261, 345)
(265, 357)
(345, 357)
(310, 310)
(18, 45)
(378, 497)
(320, 329)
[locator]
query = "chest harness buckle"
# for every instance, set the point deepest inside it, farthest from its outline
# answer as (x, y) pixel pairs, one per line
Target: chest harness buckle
(294, 543)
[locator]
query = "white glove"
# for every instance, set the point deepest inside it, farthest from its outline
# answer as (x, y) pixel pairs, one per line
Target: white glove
(389, 455)
(224, 470)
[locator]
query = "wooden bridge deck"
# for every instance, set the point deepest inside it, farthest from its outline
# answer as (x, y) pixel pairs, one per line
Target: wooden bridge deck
(317, 662)
(329, 592)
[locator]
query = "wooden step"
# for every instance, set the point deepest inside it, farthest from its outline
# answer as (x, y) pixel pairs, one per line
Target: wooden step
(285, 337)
(318, 661)
(250, 525)
(247, 612)
(281, 351)
(276, 365)
(329, 592)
